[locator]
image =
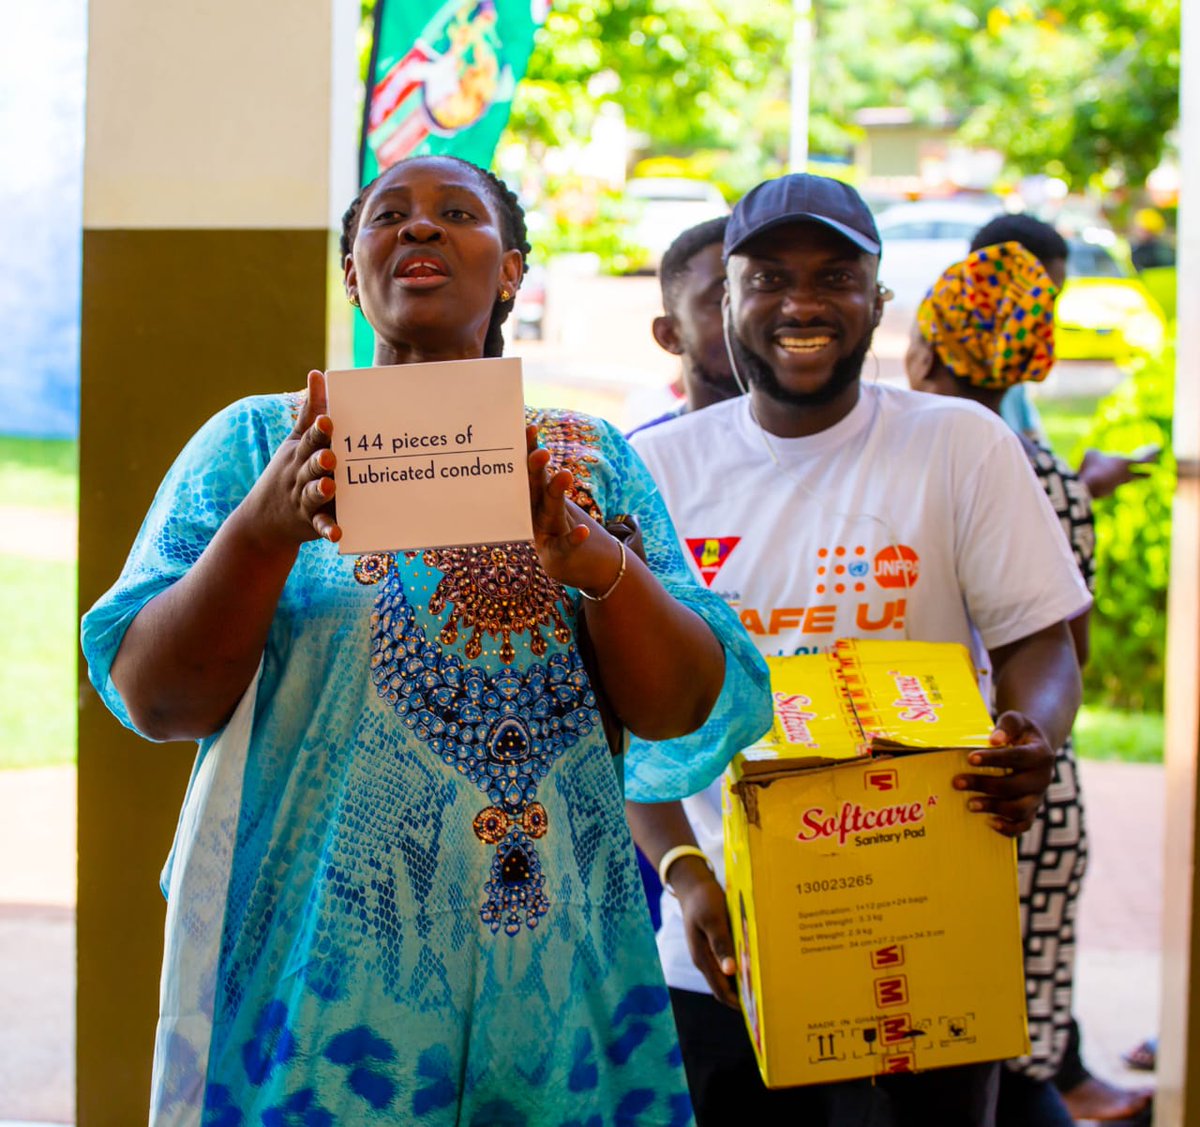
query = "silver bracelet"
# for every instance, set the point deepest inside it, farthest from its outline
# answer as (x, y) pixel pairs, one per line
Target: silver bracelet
(613, 587)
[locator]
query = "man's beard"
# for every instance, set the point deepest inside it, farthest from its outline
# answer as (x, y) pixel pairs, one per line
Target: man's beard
(759, 374)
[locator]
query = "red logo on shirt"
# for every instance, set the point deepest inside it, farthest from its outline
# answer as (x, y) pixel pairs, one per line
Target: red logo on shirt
(897, 565)
(711, 553)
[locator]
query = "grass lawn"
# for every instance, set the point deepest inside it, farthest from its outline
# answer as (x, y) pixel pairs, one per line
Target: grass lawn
(37, 607)
(1108, 733)
(37, 654)
(41, 472)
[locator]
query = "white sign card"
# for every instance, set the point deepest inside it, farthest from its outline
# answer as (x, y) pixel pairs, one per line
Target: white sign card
(430, 455)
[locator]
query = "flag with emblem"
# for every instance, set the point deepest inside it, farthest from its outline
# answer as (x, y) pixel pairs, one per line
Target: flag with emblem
(441, 80)
(442, 77)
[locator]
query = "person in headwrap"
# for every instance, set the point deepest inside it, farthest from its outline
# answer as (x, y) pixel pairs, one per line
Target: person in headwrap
(987, 324)
(1087, 1096)
(988, 321)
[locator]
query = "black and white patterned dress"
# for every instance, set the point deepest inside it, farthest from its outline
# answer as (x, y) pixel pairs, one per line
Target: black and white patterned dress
(1052, 854)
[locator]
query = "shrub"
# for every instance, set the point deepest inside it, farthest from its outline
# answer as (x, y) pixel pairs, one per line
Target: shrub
(1133, 543)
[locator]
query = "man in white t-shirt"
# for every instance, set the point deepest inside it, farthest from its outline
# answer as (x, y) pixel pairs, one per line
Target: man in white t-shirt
(823, 509)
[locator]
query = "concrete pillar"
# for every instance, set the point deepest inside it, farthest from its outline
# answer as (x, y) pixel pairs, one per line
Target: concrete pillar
(220, 151)
(1178, 1100)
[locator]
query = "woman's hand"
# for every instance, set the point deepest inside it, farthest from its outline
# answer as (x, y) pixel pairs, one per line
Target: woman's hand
(659, 662)
(293, 501)
(192, 650)
(572, 547)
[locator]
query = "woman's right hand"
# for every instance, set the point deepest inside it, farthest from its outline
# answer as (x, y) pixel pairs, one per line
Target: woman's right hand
(293, 501)
(706, 925)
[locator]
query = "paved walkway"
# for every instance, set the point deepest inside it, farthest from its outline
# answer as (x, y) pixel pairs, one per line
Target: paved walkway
(38, 534)
(1118, 973)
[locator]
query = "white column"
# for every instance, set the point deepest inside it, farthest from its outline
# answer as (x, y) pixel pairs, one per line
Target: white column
(801, 70)
(1178, 1101)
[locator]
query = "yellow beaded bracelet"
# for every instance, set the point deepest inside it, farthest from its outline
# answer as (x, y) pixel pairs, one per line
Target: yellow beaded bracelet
(672, 855)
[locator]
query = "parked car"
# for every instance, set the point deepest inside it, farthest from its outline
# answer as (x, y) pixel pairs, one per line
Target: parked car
(921, 238)
(1103, 312)
(529, 308)
(662, 208)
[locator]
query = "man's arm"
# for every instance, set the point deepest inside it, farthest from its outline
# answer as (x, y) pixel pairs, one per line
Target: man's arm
(658, 827)
(1038, 691)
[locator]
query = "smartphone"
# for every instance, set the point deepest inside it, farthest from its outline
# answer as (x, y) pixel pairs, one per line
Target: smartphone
(1144, 458)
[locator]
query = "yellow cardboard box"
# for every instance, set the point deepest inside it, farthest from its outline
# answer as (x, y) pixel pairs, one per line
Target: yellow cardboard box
(875, 917)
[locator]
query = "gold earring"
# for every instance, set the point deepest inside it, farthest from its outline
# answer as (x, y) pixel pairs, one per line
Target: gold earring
(354, 300)
(505, 294)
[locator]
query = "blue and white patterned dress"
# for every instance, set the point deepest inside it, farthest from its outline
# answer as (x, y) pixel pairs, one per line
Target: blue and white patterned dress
(402, 889)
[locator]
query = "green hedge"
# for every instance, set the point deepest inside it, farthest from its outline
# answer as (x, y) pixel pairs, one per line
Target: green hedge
(1133, 544)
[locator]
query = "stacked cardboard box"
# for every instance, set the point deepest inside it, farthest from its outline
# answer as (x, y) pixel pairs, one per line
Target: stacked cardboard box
(875, 916)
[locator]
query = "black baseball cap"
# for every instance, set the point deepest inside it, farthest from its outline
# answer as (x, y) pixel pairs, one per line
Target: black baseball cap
(801, 197)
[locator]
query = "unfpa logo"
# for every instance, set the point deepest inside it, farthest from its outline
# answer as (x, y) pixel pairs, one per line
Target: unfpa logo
(842, 570)
(897, 565)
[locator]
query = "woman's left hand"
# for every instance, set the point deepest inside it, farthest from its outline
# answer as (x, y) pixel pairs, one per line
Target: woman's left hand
(572, 547)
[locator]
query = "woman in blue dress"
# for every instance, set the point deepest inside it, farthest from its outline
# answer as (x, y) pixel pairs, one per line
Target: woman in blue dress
(402, 889)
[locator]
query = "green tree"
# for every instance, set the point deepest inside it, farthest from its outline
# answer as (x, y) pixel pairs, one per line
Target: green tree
(688, 76)
(1073, 87)
(1077, 88)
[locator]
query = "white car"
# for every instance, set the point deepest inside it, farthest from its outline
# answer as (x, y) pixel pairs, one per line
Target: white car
(662, 208)
(922, 238)
(1103, 312)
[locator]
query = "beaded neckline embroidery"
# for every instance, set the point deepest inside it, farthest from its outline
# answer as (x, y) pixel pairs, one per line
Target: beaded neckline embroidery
(503, 731)
(499, 590)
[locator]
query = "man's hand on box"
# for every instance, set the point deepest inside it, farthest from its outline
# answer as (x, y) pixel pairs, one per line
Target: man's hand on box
(706, 925)
(1023, 754)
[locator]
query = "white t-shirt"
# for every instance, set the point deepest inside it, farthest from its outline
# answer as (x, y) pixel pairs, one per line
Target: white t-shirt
(917, 516)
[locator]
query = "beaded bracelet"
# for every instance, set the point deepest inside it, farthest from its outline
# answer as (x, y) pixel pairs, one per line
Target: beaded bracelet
(613, 587)
(672, 855)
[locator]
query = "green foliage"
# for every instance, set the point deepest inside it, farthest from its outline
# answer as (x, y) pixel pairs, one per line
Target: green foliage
(1066, 423)
(1100, 79)
(584, 222)
(1070, 87)
(37, 607)
(1133, 544)
(687, 74)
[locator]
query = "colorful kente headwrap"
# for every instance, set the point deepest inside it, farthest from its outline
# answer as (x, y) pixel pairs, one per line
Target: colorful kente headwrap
(991, 317)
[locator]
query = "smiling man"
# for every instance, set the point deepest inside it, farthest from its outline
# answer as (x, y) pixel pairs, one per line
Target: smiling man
(822, 509)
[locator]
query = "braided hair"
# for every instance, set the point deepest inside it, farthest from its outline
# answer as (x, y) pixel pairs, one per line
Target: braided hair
(512, 233)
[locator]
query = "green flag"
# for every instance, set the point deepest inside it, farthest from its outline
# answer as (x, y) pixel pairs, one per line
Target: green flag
(442, 77)
(441, 80)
